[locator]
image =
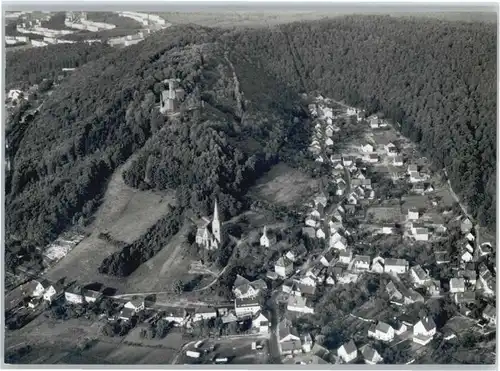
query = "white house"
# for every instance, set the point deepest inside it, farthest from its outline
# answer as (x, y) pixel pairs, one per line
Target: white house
(398, 161)
(377, 266)
(457, 285)
(311, 221)
(328, 142)
(470, 237)
(419, 276)
(260, 324)
(347, 160)
(320, 233)
(205, 313)
(175, 315)
(73, 296)
(340, 189)
(298, 304)
(370, 355)
(362, 262)
(283, 267)
(413, 214)
(382, 332)
(340, 244)
(51, 292)
(397, 266)
(387, 229)
(372, 158)
(91, 296)
(345, 256)
(306, 343)
(37, 288)
(466, 257)
(421, 234)
(391, 150)
(374, 123)
(367, 148)
(424, 331)
(246, 306)
(136, 305)
(348, 351)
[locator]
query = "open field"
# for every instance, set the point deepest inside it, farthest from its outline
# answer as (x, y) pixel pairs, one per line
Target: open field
(382, 213)
(285, 185)
(126, 213)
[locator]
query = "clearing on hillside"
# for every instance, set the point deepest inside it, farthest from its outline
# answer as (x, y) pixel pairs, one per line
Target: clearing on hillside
(285, 185)
(125, 214)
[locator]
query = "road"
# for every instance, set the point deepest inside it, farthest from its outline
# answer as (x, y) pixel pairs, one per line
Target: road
(274, 346)
(464, 210)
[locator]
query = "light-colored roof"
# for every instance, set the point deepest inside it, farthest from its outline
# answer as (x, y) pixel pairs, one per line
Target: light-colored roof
(428, 323)
(457, 283)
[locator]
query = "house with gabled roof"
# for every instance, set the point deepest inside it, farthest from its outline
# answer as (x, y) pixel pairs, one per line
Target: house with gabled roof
(367, 148)
(413, 213)
(345, 256)
(398, 160)
(136, 305)
(244, 307)
(442, 257)
(394, 293)
(175, 314)
(457, 285)
(383, 332)
(396, 266)
(362, 262)
(490, 314)
(421, 234)
(465, 298)
(298, 304)
(466, 257)
(127, 314)
(419, 276)
(374, 123)
(283, 267)
(469, 275)
(377, 266)
(260, 323)
(348, 351)
(424, 330)
(53, 291)
(370, 355)
(466, 226)
(485, 249)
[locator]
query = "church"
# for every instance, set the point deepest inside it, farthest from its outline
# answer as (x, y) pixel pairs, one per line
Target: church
(210, 236)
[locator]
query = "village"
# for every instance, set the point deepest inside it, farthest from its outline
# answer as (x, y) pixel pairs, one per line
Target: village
(351, 216)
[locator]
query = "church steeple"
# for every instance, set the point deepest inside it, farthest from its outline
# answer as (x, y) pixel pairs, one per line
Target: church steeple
(216, 223)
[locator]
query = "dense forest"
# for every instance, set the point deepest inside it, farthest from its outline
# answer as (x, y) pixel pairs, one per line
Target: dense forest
(31, 66)
(435, 78)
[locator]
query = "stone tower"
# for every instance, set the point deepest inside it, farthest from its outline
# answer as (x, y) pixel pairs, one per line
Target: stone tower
(216, 224)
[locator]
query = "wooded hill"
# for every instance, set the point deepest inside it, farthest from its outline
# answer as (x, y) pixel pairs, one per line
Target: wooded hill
(436, 78)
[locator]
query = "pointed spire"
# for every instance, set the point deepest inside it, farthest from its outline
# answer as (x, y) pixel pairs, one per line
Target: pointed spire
(264, 232)
(216, 210)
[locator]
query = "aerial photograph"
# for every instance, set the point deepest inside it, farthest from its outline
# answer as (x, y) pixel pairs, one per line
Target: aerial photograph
(249, 184)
